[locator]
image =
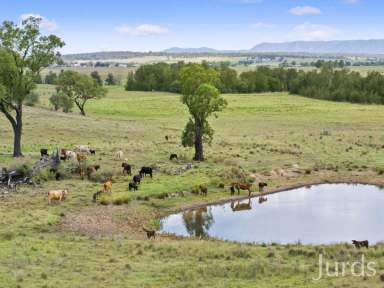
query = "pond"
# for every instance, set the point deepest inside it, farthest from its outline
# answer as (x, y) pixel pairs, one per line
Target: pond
(319, 214)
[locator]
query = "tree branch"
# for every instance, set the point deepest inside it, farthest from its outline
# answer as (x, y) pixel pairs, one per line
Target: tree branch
(8, 115)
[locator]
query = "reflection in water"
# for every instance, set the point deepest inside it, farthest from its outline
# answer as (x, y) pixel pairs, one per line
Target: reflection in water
(197, 222)
(238, 206)
(318, 214)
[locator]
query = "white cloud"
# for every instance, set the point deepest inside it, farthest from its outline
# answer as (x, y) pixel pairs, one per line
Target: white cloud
(312, 32)
(261, 25)
(303, 10)
(142, 30)
(47, 24)
(351, 1)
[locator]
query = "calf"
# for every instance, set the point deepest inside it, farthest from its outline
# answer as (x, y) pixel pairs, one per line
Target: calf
(107, 187)
(57, 195)
(132, 185)
(44, 152)
(136, 179)
(81, 158)
(127, 168)
(150, 233)
(119, 154)
(63, 152)
(173, 156)
(144, 171)
(262, 185)
(71, 155)
(92, 151)
(360, 244)
(203, 190)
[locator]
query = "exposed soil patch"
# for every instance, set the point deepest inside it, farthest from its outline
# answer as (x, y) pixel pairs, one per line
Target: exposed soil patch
(107, 220)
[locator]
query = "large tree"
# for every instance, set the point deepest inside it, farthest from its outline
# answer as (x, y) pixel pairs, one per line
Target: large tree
(79, 88)
(24, 51)
(202, 99)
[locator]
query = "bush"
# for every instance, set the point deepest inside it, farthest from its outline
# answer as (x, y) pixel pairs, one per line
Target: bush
(32, 99)
(24, 169)
(101, 175)
(61, 101)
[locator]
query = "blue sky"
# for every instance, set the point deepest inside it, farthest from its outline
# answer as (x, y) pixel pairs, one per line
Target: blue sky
(146, 25)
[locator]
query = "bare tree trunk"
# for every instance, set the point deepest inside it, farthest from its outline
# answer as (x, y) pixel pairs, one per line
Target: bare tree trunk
(81, 108)
(82, 111)
(17, 126)
(17, 132)
(199, 156)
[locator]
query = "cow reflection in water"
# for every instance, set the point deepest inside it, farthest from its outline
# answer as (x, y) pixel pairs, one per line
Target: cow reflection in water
(197, 222)
(241, 206)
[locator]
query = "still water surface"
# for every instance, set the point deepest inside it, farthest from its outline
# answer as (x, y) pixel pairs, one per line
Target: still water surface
(319, 214)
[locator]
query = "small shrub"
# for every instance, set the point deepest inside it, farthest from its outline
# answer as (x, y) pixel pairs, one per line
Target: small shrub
(32, 99)
(102, 175)
(105, 201)
(7, 236)
(195, 190)
(241, 253)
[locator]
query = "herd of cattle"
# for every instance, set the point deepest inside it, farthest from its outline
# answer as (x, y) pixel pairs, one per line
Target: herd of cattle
(80, 153)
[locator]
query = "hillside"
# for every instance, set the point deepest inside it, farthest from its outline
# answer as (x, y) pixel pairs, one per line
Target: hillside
(331, 47)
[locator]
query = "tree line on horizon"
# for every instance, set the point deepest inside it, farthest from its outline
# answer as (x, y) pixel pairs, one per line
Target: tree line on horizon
(325, 83)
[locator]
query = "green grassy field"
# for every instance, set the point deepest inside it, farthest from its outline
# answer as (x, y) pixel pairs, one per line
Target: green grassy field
(259, 136)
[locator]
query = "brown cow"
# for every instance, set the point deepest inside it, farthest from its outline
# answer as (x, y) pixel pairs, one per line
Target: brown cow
(107, 187)
(203, 190)
(241, 186)
(57, 195)
(92, 169)
(127, 168)
(81, 158)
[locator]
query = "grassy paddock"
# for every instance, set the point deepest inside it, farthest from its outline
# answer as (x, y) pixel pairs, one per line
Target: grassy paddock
(259, 136)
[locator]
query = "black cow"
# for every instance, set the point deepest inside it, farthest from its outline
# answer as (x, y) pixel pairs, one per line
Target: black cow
(262, 185)
(58, 176)
(360, 244)
(173, 156)
(144, 171)
(92, 151)
(44, 152)
(96, 195)
(132, 185)
(136, 179)
(126, 168)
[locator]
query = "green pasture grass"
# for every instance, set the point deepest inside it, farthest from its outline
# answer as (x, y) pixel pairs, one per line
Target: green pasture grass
(254, 135)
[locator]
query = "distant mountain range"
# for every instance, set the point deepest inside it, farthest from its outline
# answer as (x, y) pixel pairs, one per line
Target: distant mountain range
(332, 47)
(312, 47)
(355, 47)
(178, 50)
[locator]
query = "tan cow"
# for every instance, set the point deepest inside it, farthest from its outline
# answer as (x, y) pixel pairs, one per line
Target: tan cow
(107, 187)
(57, 195)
